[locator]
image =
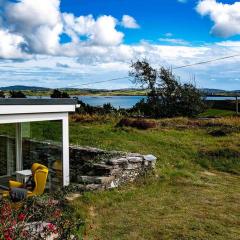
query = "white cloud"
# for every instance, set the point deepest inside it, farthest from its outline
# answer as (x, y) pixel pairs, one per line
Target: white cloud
(129, 22)
(101, 31)
(38, 22)
(104, 32)
(229, 43)
(11, 45)
(226, 17)
(174, 41)
(35, 27)
(96, 63)
(31, 31)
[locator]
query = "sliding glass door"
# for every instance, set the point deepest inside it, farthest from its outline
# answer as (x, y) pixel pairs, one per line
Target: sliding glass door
(7, 152)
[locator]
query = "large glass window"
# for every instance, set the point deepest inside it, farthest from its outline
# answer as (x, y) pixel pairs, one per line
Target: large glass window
(42, 143)
(22, 144)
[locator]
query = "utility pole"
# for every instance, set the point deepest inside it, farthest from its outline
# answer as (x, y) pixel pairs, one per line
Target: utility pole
(237, 104)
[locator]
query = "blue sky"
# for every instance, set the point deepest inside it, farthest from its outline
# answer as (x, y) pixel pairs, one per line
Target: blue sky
(156, 18)
(69, 43)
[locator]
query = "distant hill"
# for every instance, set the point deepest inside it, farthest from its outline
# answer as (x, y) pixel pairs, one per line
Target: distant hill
(212, 91)
(89, 91)
(23, 88)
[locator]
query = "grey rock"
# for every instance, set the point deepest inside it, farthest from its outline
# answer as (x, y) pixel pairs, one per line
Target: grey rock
(95, 179)
(118, 161)
(135, 159)
(149, 157)
(132, 166)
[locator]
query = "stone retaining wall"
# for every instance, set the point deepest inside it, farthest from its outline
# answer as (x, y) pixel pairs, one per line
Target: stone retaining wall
(90, 168)
(114, 169)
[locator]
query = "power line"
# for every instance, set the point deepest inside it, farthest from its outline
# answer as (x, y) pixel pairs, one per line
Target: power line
(109, 80)
(183, 66)
(208, 61)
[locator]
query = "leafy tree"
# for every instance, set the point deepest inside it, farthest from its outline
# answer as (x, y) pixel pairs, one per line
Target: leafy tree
(58, 94)
(17, 94)
(108, 108)
(88, 109)
(2, 94)
(167, 97)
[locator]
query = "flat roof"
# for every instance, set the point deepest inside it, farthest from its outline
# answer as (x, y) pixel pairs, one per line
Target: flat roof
(29, 101)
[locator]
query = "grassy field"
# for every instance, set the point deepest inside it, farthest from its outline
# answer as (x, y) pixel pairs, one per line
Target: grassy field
(193, 194)
(86, 92)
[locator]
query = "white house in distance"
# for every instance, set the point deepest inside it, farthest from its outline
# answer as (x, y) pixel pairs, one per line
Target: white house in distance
(35, 130)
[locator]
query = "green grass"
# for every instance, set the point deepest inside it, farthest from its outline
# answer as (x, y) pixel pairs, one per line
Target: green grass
(192, 195)
(217, 113)
(158, 209)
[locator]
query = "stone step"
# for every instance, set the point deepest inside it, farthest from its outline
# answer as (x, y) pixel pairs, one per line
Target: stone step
(96, 179)
(90, 187)
(102, 169)
(118, 161)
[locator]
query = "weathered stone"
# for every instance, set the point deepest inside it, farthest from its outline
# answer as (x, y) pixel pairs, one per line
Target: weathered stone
(105, 180)
(118, 161)
(95, 179)
(132, 166)
(150, 161)
(93, 187)
(135, 159)
(86, 179)
(149, 157)
(89, 187)
(114, 184)
(102, 169)
(116, 171)
(133, 155)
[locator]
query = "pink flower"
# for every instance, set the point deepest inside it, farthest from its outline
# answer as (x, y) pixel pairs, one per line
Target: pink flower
(21, 217)
(52, 228)
(7, 235)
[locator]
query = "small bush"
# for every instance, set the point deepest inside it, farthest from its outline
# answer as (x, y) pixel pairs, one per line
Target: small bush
(222, 132)
(137, 123)
(224, 159)
(90, 118)
(59, 94)
(17, 94)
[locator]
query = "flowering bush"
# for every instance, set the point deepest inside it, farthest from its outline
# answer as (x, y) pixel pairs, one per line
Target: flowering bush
(37, 218)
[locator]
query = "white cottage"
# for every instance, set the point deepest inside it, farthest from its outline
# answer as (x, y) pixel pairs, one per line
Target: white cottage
(34, 130)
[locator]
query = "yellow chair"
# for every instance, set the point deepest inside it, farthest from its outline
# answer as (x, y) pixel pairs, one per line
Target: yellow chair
(40, 174)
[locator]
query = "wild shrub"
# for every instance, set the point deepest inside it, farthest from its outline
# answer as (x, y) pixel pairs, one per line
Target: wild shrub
(136, 123)
(101, 110)
(223, 159)
(17, 94)
(91, 118)
(59, 94)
